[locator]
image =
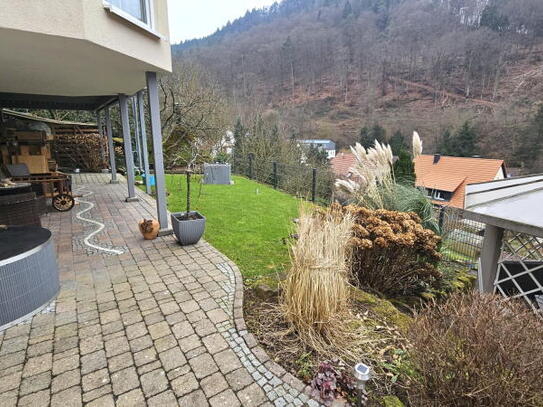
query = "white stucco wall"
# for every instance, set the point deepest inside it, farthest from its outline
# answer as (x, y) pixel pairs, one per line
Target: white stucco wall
(77, 47)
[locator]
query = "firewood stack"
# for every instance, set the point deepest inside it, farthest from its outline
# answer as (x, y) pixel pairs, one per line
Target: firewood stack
(86, 151)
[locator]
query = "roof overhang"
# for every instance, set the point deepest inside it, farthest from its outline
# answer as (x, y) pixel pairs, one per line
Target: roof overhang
(512, 204)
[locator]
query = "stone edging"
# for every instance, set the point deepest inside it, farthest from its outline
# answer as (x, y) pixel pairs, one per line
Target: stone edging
(257, 350)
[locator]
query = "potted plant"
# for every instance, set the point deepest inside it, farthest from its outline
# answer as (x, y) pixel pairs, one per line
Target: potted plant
(188, 226)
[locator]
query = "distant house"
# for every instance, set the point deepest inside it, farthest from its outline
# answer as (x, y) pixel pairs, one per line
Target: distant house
(326, 145)
(445, 178)
(341, 165)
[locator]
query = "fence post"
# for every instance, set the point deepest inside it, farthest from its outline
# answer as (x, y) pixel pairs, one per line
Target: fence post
(275, 174)
(441, 217)
(250, 166)
(314, 186)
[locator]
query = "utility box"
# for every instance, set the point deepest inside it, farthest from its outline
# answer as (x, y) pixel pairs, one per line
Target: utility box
(217, 174)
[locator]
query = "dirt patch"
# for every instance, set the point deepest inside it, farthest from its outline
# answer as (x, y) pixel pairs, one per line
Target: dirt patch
(384, 324)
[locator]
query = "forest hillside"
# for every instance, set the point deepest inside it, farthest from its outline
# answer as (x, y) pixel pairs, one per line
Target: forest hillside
(341, 68)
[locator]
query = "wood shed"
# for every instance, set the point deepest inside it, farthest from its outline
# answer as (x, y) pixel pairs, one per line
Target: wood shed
(48, 144)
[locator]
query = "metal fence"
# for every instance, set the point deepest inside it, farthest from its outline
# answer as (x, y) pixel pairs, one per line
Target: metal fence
(462, 238)
(301, 180)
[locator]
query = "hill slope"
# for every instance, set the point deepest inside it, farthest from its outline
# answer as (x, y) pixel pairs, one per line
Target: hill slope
(329, 67)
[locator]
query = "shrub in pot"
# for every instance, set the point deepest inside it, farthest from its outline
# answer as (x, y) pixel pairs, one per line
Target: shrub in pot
(188, 226)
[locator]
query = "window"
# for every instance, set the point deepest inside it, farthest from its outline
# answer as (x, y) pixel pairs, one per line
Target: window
(438, 195)
(139, 9)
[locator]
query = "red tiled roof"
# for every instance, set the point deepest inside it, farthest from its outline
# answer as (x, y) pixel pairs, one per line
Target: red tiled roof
(342, 163)
(452, 174)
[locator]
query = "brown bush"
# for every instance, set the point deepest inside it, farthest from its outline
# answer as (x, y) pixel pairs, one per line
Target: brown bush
(477, 350)
(392, 252)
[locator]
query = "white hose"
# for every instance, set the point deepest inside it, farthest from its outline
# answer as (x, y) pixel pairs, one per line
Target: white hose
(100, 225)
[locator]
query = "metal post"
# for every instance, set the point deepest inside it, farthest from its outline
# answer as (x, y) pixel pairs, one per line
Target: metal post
(156, 131)
(490, 256)
(275, 174)
(145, 151)
(101, 133)
(250, 166)
(314, 185)
(136, 131)
(128, 154)
(111, 147)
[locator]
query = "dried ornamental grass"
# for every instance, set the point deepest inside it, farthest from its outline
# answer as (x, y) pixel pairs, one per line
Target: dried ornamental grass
(316, 291)
(477, 350)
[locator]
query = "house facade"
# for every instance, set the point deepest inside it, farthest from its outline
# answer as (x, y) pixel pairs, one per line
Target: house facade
(325, 145)
(445, 178)
(89, 55)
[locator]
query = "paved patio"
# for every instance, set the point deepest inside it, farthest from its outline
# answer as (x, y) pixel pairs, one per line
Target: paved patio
(137, 323)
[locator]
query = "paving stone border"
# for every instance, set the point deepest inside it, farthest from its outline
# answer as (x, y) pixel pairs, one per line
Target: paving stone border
(281, 387)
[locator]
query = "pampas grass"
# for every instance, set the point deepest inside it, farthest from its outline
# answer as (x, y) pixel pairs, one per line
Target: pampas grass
(417, 145)
(316, 291)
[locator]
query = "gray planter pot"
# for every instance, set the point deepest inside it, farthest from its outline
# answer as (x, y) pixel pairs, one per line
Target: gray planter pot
(188, 232)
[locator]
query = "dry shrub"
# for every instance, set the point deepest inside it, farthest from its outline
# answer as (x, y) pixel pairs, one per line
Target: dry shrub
(477, 350)
(392, 253)
(316, 290)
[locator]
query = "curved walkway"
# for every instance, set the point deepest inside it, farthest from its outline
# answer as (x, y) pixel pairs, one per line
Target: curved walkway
(158, 325)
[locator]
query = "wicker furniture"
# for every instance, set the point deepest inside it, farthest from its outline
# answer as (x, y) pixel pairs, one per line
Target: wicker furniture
(29, 277)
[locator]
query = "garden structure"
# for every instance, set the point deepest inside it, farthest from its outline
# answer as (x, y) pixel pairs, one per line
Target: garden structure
(511, 260)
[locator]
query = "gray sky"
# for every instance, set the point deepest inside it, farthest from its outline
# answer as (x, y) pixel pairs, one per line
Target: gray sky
(197, 18)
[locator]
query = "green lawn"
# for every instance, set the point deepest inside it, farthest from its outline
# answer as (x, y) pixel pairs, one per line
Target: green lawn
(246, 221)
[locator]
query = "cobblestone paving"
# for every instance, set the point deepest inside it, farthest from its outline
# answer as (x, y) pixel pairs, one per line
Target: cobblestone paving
(159, 325)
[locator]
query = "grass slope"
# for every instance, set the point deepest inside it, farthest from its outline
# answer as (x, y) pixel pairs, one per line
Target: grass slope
(246, 221)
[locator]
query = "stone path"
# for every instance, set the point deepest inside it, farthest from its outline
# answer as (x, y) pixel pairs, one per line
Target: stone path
(158, 325)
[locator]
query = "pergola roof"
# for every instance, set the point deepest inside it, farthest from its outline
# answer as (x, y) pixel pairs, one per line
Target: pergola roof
(30, 101)
(32, 117)
(513, 204)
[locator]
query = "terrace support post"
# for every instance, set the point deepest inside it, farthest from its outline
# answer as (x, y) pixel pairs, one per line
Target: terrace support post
(156, 132)
(137, 133)
(101, 133)
(314, 185)
(141, 106)
(128, 153)
(490, 256)
(111, 147)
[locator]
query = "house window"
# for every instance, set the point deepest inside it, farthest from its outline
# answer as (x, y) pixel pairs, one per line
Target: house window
(139, 9)
(438, 195)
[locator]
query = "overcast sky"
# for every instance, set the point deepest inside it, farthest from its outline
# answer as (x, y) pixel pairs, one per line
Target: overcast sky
(198, 18)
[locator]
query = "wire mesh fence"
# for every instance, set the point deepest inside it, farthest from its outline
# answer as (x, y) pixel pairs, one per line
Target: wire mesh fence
(301, 180)
(462, 238)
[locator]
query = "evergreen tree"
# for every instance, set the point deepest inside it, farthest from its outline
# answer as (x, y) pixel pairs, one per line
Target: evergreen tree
(493, 19)
(529, 150)
(404, 169)
(368, 135)
(316, 156)
(465, 141)
(445, 146)
(397, 143)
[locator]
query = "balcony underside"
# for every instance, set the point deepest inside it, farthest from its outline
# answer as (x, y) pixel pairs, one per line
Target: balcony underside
(40, 64)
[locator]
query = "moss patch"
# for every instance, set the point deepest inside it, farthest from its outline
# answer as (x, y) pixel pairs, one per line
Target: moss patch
(382, 309)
